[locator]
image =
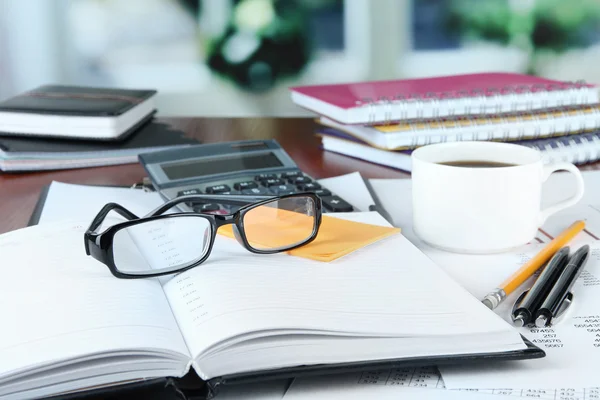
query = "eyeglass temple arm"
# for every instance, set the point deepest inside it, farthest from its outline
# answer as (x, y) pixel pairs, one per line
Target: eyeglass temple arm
(240, 200)
(119, 209)
(97, 221)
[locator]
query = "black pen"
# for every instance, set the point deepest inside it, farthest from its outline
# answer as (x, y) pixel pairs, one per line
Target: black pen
(551, 306)
(525, 309)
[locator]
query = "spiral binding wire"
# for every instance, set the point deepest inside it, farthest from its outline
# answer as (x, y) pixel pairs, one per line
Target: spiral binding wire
(579, 149)
(516, 127)
(475, 101)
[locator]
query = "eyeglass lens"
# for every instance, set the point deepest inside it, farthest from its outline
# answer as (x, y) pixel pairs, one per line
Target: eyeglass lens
(161, 245)
(280, 224)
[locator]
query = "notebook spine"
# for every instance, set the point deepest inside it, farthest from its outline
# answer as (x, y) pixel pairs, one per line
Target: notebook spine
(507, 99)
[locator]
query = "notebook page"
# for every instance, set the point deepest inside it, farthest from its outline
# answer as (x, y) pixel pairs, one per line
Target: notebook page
(386, 289)
(60, 202)
(58, 303)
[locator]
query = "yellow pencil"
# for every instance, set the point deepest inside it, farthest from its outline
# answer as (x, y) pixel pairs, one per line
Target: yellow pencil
(498, 295)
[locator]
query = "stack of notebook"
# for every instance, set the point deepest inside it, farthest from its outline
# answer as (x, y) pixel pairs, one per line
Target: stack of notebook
(58, 127)
(383, 121)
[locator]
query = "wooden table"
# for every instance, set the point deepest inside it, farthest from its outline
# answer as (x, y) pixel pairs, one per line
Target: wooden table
(19, 191)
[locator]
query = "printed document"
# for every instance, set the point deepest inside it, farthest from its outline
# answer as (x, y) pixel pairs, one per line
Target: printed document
(421, 383)
(352, 188)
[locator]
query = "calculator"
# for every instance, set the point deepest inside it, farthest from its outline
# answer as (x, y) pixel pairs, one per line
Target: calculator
(248, 167)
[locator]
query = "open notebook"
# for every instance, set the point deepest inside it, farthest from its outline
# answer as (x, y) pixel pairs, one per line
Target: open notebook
(238, 317)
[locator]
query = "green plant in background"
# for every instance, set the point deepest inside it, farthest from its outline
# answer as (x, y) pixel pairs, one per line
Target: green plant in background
(539, 27)
(265, 41)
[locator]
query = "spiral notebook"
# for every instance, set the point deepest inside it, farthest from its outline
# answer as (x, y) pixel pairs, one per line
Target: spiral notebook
(471, 94)
(577, 149)
(508, 127)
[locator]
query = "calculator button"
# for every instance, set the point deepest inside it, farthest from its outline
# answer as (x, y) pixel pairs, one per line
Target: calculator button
(281, 189)
(259, 191)
(245, 185)
(262, 177)
(335, 204)
(188, 192)
(232, 192)
(309, 187)
(217, 189)
(273, 182)
(299, 179)
(207, 207)
(287, 175)
(322, 192)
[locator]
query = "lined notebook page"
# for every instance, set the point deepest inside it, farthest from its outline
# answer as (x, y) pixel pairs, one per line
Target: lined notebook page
(386, 289)
(57, 303)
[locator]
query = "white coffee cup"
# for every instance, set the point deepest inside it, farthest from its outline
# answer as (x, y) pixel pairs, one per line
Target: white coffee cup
(482, 210)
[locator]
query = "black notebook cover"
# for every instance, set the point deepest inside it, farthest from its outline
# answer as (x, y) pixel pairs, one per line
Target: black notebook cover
(76, 101)
(149, 134)
(531, 352)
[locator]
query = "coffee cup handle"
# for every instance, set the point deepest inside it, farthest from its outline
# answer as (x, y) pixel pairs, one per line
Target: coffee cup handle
(549, 170)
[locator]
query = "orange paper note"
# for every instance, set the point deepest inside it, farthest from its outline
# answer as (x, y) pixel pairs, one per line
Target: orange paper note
(336, 238)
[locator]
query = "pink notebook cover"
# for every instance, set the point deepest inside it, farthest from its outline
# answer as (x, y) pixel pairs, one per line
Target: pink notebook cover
(350, 95)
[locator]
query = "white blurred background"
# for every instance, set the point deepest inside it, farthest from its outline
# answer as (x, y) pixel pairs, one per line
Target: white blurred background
(238, 57)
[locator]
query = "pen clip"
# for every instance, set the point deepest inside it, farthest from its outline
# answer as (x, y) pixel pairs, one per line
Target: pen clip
(562, 310)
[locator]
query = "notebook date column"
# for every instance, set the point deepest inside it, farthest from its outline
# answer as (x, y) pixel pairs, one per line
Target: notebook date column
(191, 298)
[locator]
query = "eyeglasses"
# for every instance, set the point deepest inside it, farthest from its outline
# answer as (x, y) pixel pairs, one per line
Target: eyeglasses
(160, 244)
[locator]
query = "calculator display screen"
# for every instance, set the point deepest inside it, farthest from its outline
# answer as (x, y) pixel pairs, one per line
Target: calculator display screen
(193, 168)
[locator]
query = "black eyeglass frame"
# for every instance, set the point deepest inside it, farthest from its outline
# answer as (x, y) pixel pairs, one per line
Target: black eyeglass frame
(99, 245)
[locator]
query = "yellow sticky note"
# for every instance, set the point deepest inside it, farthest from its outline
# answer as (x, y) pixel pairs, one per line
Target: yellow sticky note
(336, 238)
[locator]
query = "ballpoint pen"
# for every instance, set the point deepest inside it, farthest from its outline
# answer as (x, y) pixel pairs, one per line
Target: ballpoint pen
(497, 296)
(552, 306)
(529, 302)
